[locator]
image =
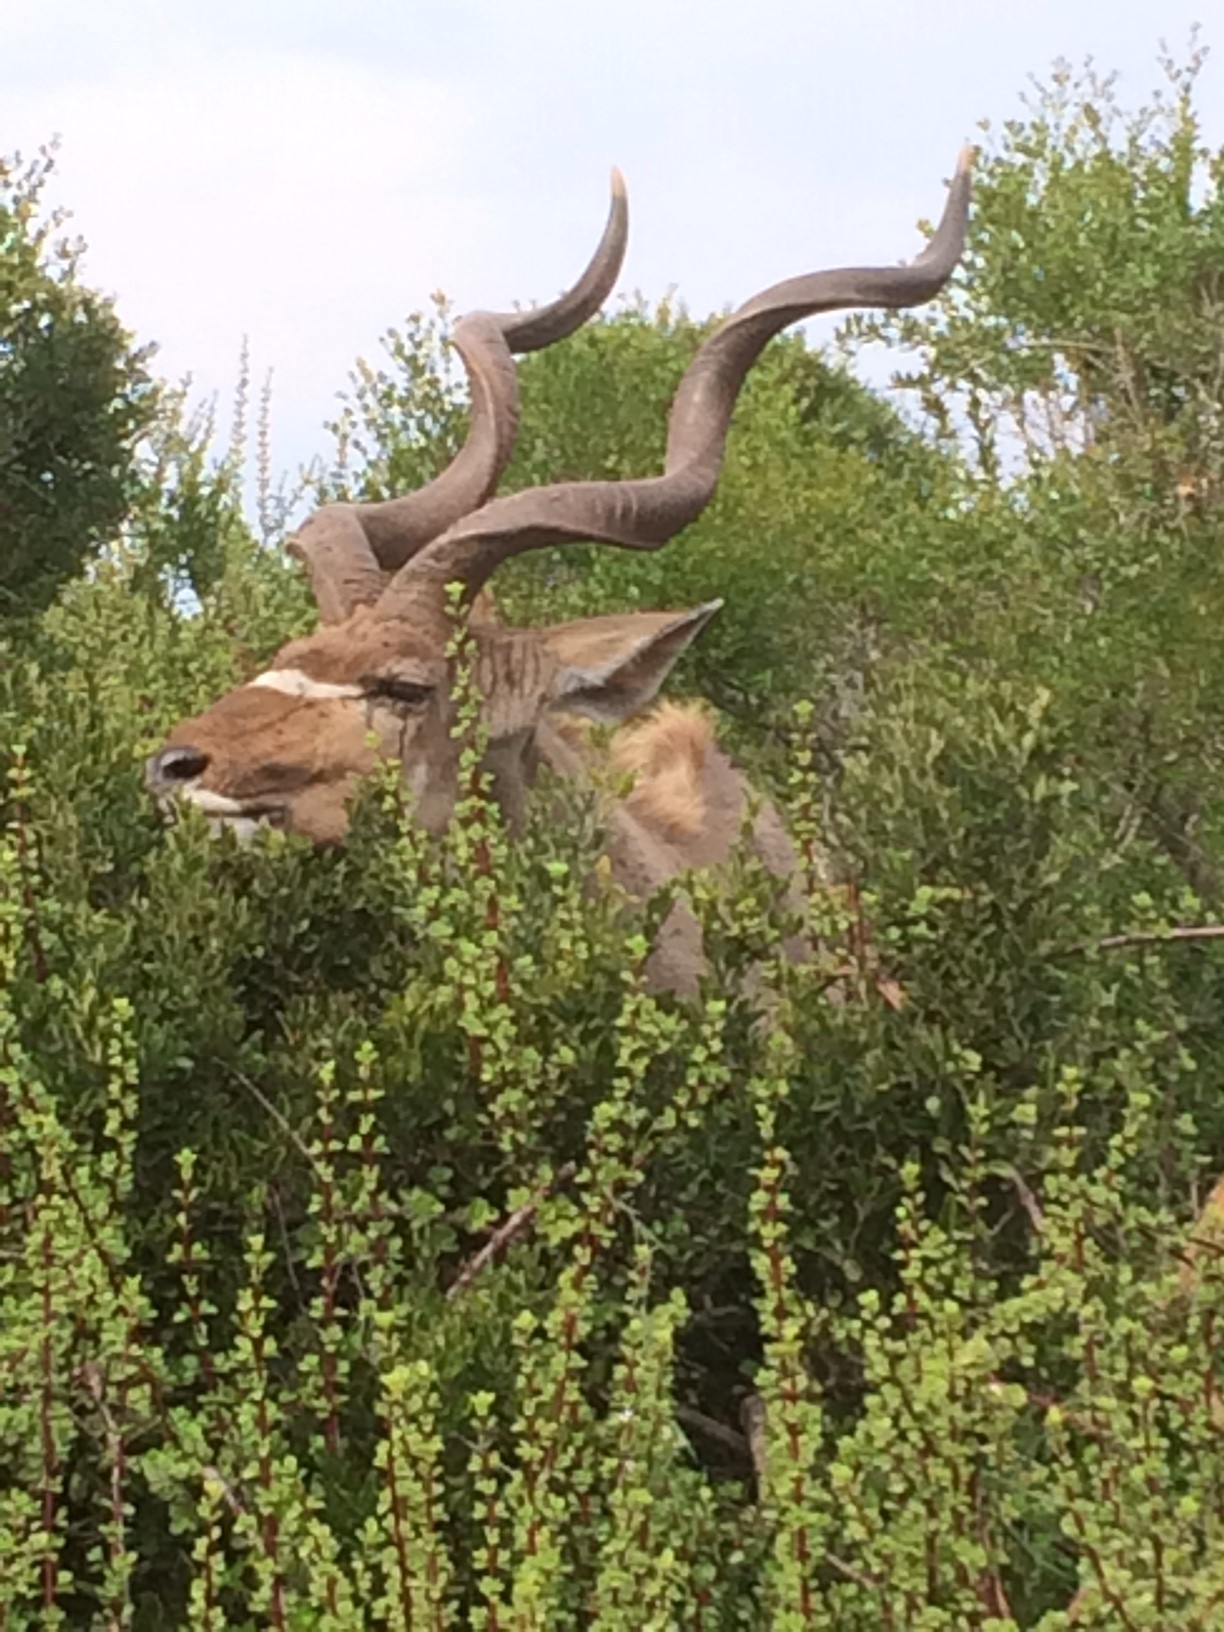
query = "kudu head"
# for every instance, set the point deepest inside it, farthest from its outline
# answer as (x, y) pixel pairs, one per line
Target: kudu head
(287, 748)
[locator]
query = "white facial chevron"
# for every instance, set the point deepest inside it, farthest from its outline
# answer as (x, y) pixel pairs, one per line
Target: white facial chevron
(296, 684)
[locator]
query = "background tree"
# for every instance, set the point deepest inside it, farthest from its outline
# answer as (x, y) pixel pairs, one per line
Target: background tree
(1080, 365)
(75, 399)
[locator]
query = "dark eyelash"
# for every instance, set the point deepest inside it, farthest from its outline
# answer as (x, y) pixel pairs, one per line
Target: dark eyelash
(409, 692)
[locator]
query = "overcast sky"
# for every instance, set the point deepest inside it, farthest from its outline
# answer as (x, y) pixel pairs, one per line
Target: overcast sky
(305, 172)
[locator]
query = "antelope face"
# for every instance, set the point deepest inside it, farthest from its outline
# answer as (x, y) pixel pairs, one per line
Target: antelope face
(286, 749)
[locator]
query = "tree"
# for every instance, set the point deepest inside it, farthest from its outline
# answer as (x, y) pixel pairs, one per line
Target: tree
(75, 397)
(1079, 363)
(1089, 318)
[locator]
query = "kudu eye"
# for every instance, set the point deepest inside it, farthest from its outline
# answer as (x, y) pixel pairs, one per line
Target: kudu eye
(172, 765)
(406, 693)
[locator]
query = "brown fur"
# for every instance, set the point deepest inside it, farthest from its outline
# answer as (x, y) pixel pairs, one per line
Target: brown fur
(666, 757)
(652, 834)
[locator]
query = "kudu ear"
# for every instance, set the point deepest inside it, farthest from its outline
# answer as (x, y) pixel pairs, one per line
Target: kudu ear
(610, 667)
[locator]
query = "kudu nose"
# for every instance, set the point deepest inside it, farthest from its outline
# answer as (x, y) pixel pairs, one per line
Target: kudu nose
(171, 766)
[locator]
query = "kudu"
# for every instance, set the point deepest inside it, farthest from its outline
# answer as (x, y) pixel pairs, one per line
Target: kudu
(288, 748)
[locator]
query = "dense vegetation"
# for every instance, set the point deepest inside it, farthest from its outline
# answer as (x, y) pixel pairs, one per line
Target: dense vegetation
(369, 1256)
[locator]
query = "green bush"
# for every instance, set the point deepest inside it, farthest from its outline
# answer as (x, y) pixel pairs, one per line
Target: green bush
(265, 1108)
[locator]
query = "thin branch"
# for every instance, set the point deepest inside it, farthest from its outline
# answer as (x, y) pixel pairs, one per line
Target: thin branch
(712, 1429)
(1066, 344)
(278, 1116)
(502, 1237)
(26, 873)
(752, 1415)
(232, 1498)
(274, 1198)
(1149, 937)
(1028, 1201)
(869, 1583)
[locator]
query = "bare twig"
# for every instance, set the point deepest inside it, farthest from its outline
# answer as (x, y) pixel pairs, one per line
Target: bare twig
(278, 1116)
(518, 1222)
(1147, 937)
(1028, 1201)
(870, 1583)
(274, 1199)
(232, 1498)
(714, 1430)
(116, 1451)
(752, 1415)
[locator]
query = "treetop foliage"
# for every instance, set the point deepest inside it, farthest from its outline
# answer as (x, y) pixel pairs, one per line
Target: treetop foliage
(75, 400)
